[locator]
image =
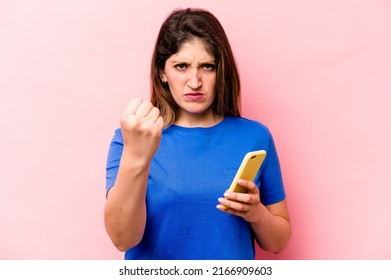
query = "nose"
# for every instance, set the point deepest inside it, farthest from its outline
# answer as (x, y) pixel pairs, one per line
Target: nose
(194, 79)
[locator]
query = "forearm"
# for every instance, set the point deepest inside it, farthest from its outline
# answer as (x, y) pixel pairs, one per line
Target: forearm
(125, 210)
(272, 232)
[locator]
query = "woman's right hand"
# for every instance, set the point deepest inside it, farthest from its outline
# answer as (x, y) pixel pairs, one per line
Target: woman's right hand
(142, 128)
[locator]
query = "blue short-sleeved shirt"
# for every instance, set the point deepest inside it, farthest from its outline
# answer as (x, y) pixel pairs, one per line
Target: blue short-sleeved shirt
(191, 169)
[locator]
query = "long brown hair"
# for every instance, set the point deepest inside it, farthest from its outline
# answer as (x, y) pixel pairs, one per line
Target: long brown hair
(181, 26)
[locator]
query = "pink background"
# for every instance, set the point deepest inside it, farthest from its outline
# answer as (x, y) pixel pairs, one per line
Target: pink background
(318, 73)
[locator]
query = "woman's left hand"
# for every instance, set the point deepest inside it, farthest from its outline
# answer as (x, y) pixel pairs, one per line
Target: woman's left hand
(246, 205)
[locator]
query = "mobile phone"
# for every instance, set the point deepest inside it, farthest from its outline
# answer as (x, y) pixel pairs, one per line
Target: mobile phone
(248, 169)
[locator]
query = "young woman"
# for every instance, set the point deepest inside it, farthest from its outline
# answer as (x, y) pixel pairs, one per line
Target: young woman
(172, 160)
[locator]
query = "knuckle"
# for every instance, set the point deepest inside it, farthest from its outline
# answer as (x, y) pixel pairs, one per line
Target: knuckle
(241, 207)
(147, 104)
(137, 100)
(132, 123)
(249, 199)
(156, 110)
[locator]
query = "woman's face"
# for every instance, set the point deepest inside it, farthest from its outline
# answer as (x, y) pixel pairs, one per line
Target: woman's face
(191, 77)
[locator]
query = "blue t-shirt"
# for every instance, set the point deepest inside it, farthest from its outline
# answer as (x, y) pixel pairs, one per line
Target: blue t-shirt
(191, 169)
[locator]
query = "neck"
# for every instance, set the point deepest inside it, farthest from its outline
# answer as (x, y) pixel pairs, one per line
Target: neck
(198, 120)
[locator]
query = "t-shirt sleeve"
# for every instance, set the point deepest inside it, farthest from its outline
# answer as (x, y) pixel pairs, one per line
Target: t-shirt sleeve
(113, 159)
(272, 187)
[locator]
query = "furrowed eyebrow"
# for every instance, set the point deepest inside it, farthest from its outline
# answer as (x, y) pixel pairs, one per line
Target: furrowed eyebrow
(174, 62)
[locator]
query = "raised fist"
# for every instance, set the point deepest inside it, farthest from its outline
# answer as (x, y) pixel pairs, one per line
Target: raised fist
(142, 127)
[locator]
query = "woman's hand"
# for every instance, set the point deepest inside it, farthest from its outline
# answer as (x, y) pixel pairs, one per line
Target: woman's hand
(270, 223)
(246, 205)
(142, 127)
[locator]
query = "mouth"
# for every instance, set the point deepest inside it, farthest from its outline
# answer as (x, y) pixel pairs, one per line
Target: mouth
(194, 96)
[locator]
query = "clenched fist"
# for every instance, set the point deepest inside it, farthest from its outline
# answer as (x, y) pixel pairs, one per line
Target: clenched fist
(142, 127)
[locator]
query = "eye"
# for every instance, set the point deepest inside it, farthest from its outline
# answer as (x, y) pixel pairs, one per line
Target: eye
(209, 67)
(180, 66)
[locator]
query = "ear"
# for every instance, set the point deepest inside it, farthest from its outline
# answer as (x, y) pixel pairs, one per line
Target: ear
(163, 76)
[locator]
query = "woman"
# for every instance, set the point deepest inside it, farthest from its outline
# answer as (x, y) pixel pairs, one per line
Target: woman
(175, 156)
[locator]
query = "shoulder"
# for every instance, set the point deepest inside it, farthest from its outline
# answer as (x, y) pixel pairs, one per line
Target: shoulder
(117, 138)
(247, 125)
(118, 132)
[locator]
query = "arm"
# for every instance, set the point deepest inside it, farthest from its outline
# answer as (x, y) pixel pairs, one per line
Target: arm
(271, 223)
(125, 209)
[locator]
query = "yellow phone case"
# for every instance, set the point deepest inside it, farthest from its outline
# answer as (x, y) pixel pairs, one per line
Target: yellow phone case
(248, 169)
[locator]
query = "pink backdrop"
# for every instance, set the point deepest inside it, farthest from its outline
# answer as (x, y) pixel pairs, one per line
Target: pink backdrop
(318, 73)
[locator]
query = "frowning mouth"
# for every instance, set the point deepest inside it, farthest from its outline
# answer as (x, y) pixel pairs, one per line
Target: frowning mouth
(194, 96)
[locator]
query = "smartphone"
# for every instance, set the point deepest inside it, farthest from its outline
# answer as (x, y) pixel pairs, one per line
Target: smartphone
(248, 169)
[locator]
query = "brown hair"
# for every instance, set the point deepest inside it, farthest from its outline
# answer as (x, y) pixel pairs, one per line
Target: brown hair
(180, 27)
